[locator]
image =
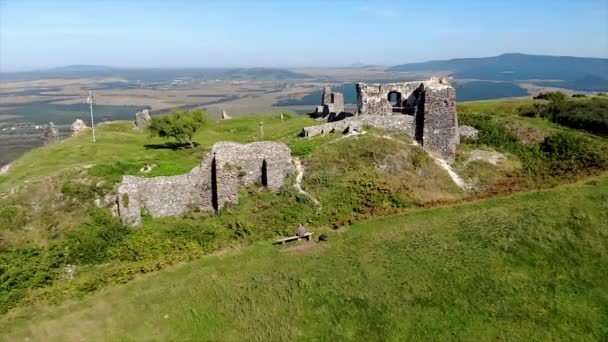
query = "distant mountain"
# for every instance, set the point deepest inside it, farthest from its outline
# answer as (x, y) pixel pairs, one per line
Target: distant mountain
(574, 71)
(261, 74)
(154, 74)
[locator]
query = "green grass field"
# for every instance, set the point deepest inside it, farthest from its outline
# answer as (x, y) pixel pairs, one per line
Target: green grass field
(528, 267)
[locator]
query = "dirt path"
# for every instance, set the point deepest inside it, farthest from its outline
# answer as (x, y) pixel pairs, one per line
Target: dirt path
(298, 184)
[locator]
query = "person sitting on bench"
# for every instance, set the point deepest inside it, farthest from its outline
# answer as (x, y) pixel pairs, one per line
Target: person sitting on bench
(301, 231)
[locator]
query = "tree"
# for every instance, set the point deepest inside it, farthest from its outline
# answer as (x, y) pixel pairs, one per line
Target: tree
(552, 96)
(179, 125)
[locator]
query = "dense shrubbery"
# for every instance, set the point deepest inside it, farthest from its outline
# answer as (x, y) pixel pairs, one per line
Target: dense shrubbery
(179, 125)
(556, 96)
(587, 114)
(559, 155)
(12, 216)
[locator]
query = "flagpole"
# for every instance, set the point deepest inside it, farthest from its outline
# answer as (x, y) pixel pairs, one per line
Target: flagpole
(90, 100)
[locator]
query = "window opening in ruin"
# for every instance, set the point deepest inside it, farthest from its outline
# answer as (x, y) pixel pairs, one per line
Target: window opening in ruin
(214, 201)
(394, 98)
(332, 98)
(419, 115)
(264, 173)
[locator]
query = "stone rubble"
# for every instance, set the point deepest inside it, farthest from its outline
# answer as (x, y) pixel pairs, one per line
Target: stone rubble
(141, 119)
(77, 127)
(4, 170)
(468, 132)
(50, 133)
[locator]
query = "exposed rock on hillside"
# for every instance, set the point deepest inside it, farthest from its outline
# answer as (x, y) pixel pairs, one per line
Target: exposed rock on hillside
(225, 115)
(210, 185)
(78, 127)
(141, 119)
(50, 133)
(468, 132)
(4, 170)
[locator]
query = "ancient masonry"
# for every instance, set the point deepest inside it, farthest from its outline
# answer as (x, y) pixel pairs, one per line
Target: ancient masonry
(332, 103)
(50, 133)
(77, 127)
(141, 119)
(426, 111)
(209, 186)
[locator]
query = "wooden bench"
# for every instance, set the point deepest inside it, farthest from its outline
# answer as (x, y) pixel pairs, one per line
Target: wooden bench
(307, 236)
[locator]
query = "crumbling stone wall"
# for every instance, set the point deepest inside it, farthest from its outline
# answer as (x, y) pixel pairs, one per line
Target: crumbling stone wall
(210, 185)
(331, 103)
(429, 105)
(426, 111)
(401, 123)
(141, 119)
(50, 133)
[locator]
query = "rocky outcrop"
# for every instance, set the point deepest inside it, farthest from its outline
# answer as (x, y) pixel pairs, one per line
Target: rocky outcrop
(209, 186)
(50, 133)
(4, 170)
(468, 132)
(141, 119)
(78, 127)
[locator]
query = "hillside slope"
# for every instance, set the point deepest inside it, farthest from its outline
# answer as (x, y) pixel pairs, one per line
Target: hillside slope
(59, 240)
(582, 73)
(532, 266)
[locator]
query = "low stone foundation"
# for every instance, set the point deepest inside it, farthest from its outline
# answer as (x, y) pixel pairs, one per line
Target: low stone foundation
(399, 123)
(209, 186)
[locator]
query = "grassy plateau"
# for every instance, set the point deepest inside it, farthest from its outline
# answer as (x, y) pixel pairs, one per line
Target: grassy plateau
(522, 255)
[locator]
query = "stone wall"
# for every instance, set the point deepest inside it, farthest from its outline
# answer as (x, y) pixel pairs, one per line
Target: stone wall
(210, 185)
(431, 104)
(141, 119)
(401, 123)
(331, 103)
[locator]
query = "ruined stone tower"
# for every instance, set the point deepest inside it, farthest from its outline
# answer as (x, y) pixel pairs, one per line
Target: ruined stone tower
(430, 104)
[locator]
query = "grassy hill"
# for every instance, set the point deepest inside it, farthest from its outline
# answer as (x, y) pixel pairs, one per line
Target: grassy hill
(532, 266)
(527, 264)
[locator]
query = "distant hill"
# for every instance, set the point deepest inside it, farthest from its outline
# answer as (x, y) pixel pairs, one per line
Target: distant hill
(154, 74)
(466, 91)
(579, 72)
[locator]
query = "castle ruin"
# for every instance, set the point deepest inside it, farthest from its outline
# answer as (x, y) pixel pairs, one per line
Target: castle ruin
(426, 111)
(332, 105)
(209, 186)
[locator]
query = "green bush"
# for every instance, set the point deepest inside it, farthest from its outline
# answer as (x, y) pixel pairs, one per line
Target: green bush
(12, 216)
(589, 115)
(569, 154)
(179, 125)
(559, 155)
(90, 243)
(25, 268)
(554, 96)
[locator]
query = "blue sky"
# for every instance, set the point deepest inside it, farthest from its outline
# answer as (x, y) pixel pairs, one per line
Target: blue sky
(289, 33)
